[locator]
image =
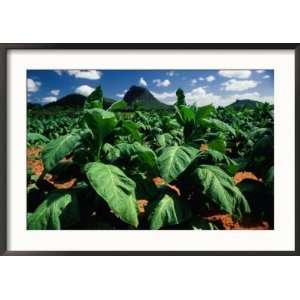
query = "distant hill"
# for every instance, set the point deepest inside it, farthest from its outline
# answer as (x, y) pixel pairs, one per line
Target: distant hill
(136, 98)
(141, 98)
(74, 101)
(244, 103)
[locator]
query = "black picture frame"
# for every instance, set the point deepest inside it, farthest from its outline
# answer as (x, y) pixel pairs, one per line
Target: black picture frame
(4, 48)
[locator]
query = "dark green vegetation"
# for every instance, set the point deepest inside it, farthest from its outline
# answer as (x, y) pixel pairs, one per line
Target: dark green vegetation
(181, 161)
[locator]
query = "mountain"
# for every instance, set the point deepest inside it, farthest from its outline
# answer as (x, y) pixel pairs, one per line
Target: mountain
(136, 98)
(74, 101)
(141, 98)
(244, 103)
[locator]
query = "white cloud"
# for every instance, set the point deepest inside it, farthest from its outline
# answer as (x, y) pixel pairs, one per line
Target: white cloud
(122, 94)
(58, 72)
(200, 97)
(252, 96)
(84, 90)
(88, 74)
(201, 79)
(165, 97)
(49, 99)
(239, 74)
(160, 83)
(197, 96)
(142, 82)
(260, 71)
(33, 86)
(266, 76)
(210, 78)
(194, 81)
(170, 73)
(239, 85)
(55, 92)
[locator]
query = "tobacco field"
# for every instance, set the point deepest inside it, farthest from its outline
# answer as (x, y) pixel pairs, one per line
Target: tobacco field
(186, 168)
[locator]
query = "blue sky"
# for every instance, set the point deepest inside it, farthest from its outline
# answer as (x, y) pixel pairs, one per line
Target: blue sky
(219, 87)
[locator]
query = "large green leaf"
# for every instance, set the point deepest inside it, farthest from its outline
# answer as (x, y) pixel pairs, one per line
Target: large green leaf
(168, 211)
(57, 149)
(219, 125)
(101, 123)
(133, 129)
(59, 210)
(95, 99)
(115, 188)
(185, 114)
(146, 156)
(174, 160)
(118, 105)
(204, 112)
(218, 144)
(220, 188)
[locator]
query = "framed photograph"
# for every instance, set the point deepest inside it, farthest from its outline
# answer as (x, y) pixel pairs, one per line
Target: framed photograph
(149, 149)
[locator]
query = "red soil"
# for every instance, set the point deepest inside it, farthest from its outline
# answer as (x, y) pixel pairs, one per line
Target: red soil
(36, 165)
(240, 176)
(158, 181)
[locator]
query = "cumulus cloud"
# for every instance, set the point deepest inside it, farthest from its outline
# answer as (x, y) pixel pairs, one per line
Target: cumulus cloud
(201, 79)
(84, 90)
(194, 81)
(199, 96)
(252, 96)
(58, 72)
(165, 97)
(266, 76)
(162, 83)
(55, 92)
(33, 86)
(122, 94)
(170, 73)
(210, 78)
(239, 85)
(85, 74)
(260, 71)
(142, 82)
(239, 74)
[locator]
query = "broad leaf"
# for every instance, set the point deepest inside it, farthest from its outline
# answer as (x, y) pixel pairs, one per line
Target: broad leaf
(174, 160)
(59, 210)
(204, 112)
(95, 99)
(168, 211)
(220, 188)
(115, 188)
(118, 105)
(219, 125)
(164, 139)
(133, 129)
(148, 157)
(101, 123)
(217, 144)
(57, 149)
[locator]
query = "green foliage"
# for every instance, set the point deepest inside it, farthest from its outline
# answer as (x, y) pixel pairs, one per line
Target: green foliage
(168, 211)
(220, 188)
(112, 185)
(181, 161)
(57, 149)
(59, 210)
(174, 160)
(180, 97)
